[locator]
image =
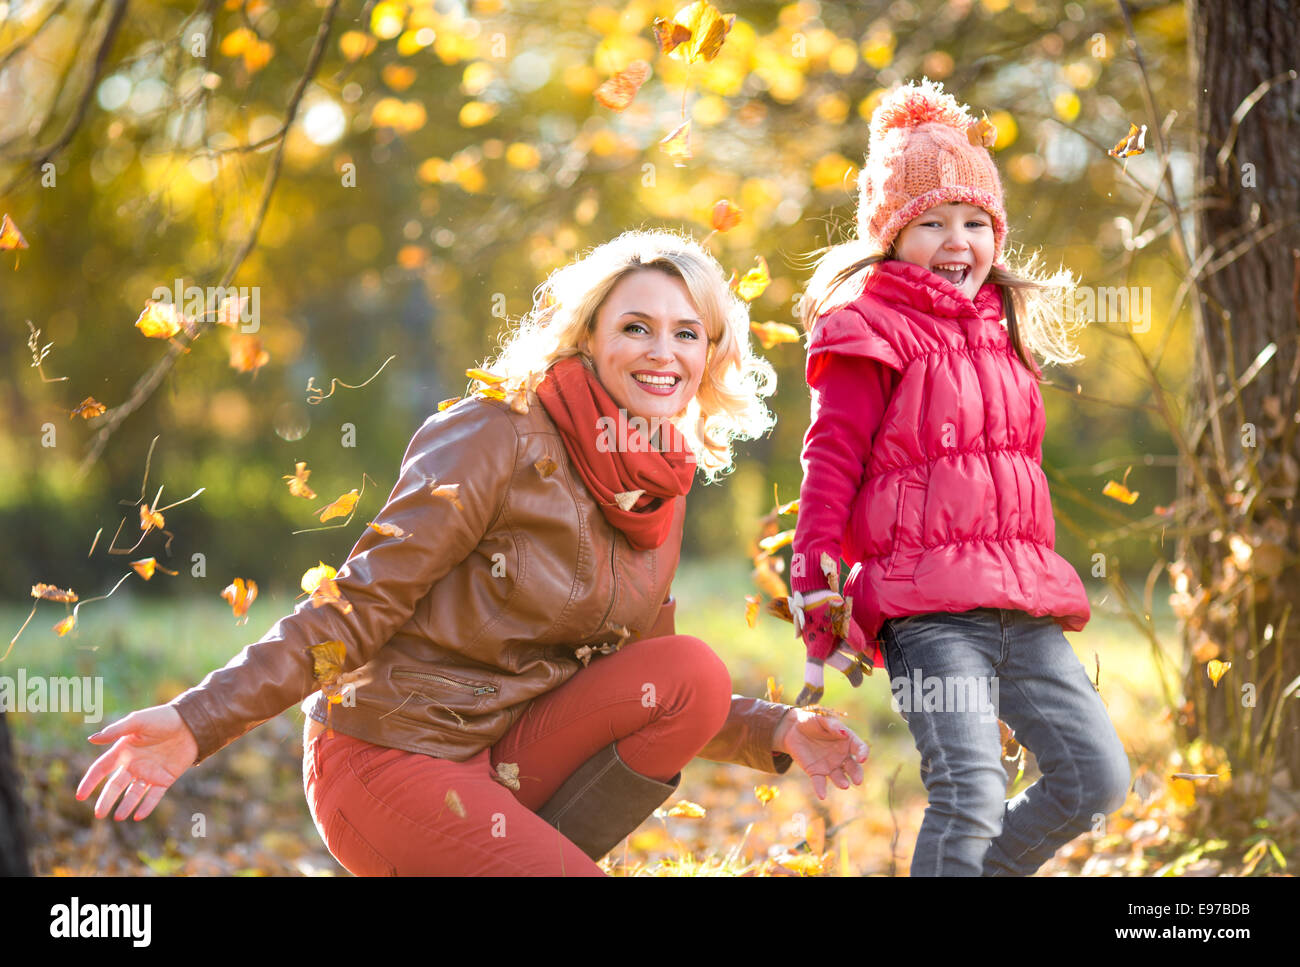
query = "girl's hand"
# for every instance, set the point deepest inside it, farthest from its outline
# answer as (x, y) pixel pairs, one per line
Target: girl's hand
(151, 748)
(823, 748)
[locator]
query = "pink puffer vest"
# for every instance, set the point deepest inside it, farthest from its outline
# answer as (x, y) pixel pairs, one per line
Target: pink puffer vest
(954, 511)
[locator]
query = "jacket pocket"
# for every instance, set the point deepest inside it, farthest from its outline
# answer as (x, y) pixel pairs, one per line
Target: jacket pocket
(908, 532)
(455, 693)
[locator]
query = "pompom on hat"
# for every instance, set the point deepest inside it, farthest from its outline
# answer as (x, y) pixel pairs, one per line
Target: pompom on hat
(925, 149)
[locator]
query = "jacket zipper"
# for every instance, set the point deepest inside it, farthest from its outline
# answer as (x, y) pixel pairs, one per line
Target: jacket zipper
(613, 575)
(476, 689)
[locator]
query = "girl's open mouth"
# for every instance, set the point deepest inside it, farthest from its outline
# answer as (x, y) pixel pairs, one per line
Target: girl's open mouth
(953, 272)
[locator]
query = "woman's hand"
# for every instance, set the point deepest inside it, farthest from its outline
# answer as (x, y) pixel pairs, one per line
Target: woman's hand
(153, 747)
(822, 747)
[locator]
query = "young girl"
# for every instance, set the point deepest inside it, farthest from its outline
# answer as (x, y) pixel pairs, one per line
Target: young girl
(922, 469)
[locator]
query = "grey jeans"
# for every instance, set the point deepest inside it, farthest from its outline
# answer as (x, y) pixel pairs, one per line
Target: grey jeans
(952, 676)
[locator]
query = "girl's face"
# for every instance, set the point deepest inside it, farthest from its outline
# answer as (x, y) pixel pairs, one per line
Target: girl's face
(954, 241)
(649, 345)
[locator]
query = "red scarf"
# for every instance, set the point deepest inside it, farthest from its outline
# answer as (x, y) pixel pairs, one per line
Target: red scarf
(615, 457)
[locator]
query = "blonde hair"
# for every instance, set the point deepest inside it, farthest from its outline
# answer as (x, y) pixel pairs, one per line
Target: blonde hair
(1037, 303)
(728, 405)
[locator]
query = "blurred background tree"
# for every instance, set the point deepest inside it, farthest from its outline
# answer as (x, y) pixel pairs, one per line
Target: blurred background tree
(441, 159)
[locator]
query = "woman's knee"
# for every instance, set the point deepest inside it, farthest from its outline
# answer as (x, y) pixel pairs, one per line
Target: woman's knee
(695, 675)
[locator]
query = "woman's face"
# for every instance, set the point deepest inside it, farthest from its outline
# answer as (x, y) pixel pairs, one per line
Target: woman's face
(955, 234)
(649, 345)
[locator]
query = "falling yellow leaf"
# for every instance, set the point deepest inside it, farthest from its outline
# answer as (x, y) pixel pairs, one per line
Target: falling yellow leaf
(150, 519)
(327, 661)
(66, 625)
(451, 401)
(685, 809)
(769, 545)
(48, 592)
(508, 775)
(146, 567)
(240, 594)
(327, 592)
(753, 282)
(159, 320)
(388, 530)
(774, 690)
(774, 333)
(483, 376)
(454, 804)
(1217, 669)
(10, 237)
(982, 133)
(628, 498)
(298, 481)
(767, 580)
(341, 507)
(450, 492)
(88, 409)
(677, 143)
(668, 34)
(1131, 144)
(752, 601)
(726, 216)
(312, 577)
(766, 794)
(247, 354)
(709, 29)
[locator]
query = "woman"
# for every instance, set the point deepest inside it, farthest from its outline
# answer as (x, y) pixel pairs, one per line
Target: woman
(515, 698)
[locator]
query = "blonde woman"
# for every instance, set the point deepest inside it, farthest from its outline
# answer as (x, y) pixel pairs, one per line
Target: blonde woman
(515, 698)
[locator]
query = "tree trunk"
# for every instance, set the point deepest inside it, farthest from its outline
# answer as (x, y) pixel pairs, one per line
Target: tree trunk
(1245, 561)
(13, 848)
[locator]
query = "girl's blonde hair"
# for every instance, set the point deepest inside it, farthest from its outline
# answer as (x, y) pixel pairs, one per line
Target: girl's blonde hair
(728, 405)
(1038, 304)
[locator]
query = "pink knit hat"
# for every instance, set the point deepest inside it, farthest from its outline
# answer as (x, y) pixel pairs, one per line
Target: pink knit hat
(925, 149)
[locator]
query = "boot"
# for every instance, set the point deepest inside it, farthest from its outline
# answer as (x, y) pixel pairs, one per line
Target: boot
(603, 801)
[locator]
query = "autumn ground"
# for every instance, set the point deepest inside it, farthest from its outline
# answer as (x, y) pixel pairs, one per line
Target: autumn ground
(256, 820)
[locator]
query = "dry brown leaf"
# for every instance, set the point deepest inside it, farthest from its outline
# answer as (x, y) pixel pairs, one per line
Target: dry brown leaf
(546, 466)
(298, 481)
(508, 775)
(628, 498)
(48, 592)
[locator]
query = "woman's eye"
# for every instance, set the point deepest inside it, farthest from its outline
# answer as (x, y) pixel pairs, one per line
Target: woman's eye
(634, 325)
(689, 332)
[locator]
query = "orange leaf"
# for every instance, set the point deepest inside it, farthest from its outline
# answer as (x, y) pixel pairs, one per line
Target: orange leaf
(452, 401)
(150, 519)
(774, 333)
(686, 809)
(765, 794)
(298, 481)
(774, 690)
(341, 507)
(449, 492)
(617, 92)
(780, 608)
(388, 530)
(48, 592)
(546, 466)
(753, 282)
(145, 568)
(982, 133)
(159, 320)
(483, 376)
(247, 354)
(89, 408)
(1217, 669)
(1119, 492)
(240, 594)
(1131, 144)
(10, 237)
(752, 601)
(327, 592)
(312, 577)
(726, 216)
(677, 143)
(66, 625)
(669, 34)
(768, 581)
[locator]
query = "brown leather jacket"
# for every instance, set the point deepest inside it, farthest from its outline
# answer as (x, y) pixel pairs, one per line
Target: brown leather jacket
(482, 606)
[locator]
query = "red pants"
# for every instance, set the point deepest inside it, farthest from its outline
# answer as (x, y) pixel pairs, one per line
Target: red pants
(384, 811)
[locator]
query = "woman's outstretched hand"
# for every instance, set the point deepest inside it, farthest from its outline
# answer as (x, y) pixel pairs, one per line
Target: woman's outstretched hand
(151, 748)
(822, 748)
